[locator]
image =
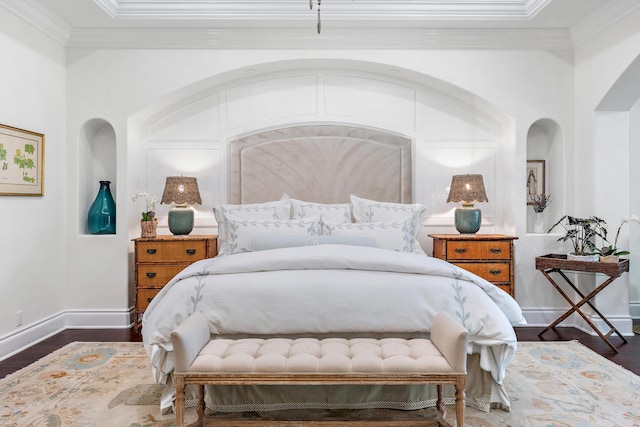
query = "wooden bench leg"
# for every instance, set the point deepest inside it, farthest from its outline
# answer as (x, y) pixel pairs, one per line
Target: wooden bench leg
(460, 401)
(440, 406)
(200, 406)
(179, 384)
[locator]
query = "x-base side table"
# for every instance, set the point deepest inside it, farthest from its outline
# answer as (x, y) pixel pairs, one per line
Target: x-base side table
(554, 263)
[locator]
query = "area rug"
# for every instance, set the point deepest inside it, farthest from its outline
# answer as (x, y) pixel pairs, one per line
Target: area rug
(551, 384)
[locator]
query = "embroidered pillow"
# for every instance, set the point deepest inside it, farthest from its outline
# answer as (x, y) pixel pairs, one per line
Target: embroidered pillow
(275, 242)
(241, 233)
(276, 210)
(395, 235)
(338, 212)
(365, 210)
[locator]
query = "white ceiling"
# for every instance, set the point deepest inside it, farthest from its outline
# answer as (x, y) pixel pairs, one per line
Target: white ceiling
(410, 24)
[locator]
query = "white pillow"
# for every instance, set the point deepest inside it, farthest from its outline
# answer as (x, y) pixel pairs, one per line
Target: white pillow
(241, 233)
(338, 212)
(276, 242)
(395, 235)
(365, 210)
(276, 210)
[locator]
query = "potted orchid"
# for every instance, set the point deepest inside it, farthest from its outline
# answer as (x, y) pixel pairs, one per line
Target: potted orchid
(148, 222)
(611, 253)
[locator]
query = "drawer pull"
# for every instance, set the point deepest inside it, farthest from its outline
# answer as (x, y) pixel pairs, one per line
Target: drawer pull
(461, 250)
(151, 275)
(495, 272)
(191, 251)
(149, 299)
(152, 251)
(495, 250)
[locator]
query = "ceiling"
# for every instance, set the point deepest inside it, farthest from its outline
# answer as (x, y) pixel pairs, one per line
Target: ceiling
(393, 24)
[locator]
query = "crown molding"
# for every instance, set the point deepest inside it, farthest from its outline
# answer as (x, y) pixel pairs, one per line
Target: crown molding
(34, 14)
(331, 38)
(336, 10)
(247, 24)
(603, 18)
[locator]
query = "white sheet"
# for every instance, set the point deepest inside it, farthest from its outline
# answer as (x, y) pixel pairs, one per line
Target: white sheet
(332, 289)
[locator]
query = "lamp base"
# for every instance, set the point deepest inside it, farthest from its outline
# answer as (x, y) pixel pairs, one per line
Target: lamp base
(181, 220)
(468, 219)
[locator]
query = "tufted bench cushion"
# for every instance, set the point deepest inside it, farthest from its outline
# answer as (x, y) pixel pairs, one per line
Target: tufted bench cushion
(310, 355)
(202, 360)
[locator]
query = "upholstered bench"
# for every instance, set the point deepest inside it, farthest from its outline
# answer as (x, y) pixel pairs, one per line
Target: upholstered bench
(308, 361)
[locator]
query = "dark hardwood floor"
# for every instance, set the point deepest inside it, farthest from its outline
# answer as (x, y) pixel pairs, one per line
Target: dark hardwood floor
(628, 356)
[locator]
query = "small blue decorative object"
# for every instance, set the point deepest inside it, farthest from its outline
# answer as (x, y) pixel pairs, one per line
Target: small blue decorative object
(468, 219)
(102, 213)
(181, 220)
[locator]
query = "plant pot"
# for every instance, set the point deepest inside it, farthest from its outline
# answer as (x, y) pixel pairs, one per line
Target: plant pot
(609, 258)
(588, 258)
(538, 224)
(149, 228)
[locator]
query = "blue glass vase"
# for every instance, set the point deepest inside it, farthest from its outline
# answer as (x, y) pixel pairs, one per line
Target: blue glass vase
(102, 213)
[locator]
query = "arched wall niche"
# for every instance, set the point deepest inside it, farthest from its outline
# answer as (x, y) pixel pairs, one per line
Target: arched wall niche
(97, 162)
(545, 143)
(453, 131)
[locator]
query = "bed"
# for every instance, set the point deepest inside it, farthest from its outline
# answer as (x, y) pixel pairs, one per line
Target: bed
(306, 249)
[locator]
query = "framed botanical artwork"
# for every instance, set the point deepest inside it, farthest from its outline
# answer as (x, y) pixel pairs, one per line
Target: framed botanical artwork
(21, 162)
(535, 179)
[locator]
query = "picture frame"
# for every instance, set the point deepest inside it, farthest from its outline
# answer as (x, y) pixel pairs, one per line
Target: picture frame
(535, 183)
(21, 162)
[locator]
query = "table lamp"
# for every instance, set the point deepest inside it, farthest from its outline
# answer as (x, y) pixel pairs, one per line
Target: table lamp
(182, 191)
(468, 189)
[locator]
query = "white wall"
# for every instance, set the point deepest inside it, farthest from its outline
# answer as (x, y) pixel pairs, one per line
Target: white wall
(606, 146)
(32, 229)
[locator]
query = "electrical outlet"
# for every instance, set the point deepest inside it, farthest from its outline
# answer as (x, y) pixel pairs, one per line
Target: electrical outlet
(19, 318)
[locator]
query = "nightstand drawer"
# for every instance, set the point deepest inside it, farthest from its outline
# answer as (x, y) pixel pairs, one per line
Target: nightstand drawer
(178, 250)
(464, 250)
(144, 297)
(493, 271)
(507, 288)
(157, 274)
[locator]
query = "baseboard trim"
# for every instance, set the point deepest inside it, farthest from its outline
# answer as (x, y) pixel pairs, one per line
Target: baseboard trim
(28, 335)
(543, 317)
(634, 309)
(34, 333)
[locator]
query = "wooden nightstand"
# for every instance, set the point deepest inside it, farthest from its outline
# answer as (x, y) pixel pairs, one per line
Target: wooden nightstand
(158, 259)
(490, 256)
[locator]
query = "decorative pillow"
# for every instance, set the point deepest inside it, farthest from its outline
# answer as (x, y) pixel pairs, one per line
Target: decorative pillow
(275, 242)
(241, 233)
(276, 210)
(365, 210)
(339, 212)
(395, 235)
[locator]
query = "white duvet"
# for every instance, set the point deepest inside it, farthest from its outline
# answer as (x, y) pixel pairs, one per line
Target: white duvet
(335, 290)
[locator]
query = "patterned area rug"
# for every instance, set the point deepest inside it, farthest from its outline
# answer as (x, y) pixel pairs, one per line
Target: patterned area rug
(109, 384)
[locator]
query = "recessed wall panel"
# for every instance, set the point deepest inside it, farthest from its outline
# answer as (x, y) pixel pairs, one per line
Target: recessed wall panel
(443, 121)
(271, 99)
(198, 120)
(371, 99)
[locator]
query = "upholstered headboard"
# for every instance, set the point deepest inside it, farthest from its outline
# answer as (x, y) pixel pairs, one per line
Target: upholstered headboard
(320, 163)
